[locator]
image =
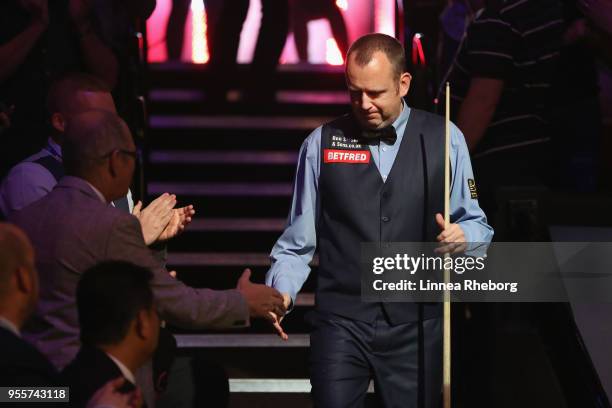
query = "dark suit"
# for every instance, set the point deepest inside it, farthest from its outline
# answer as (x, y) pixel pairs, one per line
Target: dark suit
(71, 230)
(89, 371)
(22, 365)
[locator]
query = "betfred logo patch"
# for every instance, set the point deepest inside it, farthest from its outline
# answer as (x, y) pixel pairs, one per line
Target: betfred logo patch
(346, 156)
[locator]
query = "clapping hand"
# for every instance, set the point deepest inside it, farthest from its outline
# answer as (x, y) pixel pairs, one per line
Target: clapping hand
(181, 217)
(155, 217)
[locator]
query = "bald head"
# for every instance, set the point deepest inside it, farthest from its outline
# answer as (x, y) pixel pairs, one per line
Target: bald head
(15, 251)
(90, 137)
(78, 92)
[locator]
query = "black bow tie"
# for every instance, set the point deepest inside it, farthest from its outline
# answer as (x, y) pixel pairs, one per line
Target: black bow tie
(386, 135)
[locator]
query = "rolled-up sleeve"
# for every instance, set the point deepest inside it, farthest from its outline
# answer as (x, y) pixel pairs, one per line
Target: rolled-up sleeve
(464, 206)
(295, 248)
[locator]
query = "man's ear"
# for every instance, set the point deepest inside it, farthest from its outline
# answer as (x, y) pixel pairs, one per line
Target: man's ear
(58, 122)
(113, 163)
(24, 281)
(143, 324)
(404, 83)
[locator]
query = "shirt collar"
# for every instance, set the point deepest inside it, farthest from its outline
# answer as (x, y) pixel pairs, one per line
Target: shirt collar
(54, 148)
(124, 370)
(10, 326)
(98, 193)
(400, 123)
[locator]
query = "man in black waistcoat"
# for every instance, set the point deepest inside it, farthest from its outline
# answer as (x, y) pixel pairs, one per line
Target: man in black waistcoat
(375, 175)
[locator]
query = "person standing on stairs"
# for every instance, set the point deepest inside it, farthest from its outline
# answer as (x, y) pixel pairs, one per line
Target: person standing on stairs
(379, 196)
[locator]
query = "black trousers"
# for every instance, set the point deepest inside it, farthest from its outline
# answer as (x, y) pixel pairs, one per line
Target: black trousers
(345, 354)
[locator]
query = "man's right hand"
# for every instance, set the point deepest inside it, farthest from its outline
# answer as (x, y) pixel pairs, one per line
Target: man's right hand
(277, 319)
(262, 299)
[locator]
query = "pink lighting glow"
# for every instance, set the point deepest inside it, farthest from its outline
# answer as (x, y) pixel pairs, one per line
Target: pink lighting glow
(384, 17)
(199, 48)
(360, 17)
(333, 56)
(342, 4)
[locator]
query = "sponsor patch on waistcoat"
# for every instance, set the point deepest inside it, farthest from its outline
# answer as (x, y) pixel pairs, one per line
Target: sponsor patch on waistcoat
(346, 156)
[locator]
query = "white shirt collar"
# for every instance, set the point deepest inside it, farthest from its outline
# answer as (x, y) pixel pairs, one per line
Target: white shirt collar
(54, 149)
(98, 193)
(124, 370)
(10, 326)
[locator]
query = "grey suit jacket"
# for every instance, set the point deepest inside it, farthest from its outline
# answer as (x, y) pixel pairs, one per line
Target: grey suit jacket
(72, 229)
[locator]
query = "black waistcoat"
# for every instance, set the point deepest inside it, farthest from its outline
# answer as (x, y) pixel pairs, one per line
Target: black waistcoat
(357, 206)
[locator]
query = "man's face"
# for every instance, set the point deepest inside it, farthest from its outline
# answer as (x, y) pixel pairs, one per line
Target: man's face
(376, 92)
(126, 166)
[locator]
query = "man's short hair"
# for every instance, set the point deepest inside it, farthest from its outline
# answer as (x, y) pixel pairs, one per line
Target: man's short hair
(109, 297)
(89, 137)
(365, 47)
(63, 90)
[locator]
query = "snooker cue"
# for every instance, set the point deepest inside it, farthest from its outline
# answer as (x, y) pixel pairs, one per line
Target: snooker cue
(446, 353)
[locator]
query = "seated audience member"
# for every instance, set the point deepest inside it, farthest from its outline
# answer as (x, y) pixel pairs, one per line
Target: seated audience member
(36, 176)
(73, 228)
(119, 328)
(20, 363)
(41, 40)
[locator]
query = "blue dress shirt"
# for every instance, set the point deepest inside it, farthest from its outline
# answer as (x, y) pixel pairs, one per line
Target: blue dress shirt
(296, 246)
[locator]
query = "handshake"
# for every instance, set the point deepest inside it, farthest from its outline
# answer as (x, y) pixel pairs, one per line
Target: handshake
(161, 221)
(264, 301)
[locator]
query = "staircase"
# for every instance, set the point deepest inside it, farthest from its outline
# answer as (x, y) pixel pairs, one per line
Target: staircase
(235, 163)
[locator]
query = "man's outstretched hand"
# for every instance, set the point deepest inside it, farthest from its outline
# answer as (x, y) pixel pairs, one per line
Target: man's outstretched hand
(451, 238)
(277, 319)
(262, 299)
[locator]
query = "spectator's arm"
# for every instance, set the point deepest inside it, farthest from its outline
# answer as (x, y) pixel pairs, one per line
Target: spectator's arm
(99, 58)
(478, 108)
(14, 52)
(179, 304)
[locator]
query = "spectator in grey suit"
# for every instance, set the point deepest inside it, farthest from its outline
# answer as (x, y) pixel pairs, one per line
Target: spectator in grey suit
(73, 228)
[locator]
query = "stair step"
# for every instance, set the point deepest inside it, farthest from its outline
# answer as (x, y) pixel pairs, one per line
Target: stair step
(238, 224)
(230, 206)
(237, 122)
(222, 259)
(225, 277)
(317, 97)
(228, 139)
(240, 341)
(222, 189)
(222, 173)
(194, 76)
(275, 385)
(223, 157)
